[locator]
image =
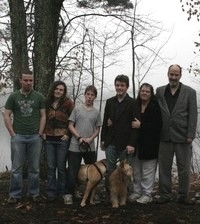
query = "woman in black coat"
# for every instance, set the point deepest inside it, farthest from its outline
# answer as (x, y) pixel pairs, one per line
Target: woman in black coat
(145, 161)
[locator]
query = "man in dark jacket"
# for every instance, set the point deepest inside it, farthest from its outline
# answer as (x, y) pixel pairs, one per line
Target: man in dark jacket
(118, 138)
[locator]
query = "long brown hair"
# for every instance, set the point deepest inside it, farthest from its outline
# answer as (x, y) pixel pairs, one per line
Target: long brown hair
(50, 95)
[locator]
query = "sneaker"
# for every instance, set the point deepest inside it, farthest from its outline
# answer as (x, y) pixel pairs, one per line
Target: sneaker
(36, 199)
(12, 200)
(134, 196)
(68, 199)
(144, 199)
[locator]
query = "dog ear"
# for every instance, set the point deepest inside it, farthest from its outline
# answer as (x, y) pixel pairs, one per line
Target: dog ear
(125, 161)
(122, 164)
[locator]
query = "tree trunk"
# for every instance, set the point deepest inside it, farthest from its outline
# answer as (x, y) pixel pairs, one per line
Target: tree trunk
(19, 40)
(45, 47)
(133, 63)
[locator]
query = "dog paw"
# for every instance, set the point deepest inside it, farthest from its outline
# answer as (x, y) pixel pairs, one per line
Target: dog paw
(83, 204)
(115, 206)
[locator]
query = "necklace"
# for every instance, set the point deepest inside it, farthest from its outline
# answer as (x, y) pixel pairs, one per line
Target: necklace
(25, 94)
(55, 104)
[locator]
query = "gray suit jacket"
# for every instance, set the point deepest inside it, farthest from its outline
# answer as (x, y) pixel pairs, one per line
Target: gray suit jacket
(181, 123)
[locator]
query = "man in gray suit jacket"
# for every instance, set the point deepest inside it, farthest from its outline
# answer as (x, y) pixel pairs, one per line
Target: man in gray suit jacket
(179, 114)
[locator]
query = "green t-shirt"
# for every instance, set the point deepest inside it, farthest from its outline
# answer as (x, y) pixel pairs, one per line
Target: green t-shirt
(26, 111)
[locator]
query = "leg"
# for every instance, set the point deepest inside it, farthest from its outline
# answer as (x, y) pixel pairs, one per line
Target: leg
(74, 161)
(166, 154)
(18, 152)
(114, 199)
(50, 152)
(88, 190)
(137, 169)
(148, 176)
(92, 195)
(123, 195)
(62, 152)
(111, 160)
(33, 143)
(183, 158)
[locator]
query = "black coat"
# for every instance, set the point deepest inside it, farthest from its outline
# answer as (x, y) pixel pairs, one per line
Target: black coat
(149, 135)
(120, 133)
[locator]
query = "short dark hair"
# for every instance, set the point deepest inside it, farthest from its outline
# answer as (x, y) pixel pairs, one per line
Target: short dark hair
(27, 72)
(91, 88)
(153, 97)
(177, 66)
(122, 78)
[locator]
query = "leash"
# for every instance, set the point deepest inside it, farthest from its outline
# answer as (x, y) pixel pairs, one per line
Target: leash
(97, 168)
(95, 165)
(123, 156)
(84, 147)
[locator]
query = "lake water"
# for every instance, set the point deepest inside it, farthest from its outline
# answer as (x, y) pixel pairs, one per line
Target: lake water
(4, 146)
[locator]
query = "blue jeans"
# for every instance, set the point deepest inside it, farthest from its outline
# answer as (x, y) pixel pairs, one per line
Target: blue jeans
(112, 157)
(56, 156)
(25, 147)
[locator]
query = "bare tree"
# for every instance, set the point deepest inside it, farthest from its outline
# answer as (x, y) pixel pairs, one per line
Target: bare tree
(50, 35)
(144, 37)
(192, 8)
(19, 37)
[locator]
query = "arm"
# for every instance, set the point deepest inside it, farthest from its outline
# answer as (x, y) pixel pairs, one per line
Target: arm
(42, 121)
(136, 116)
(73, 129)
(92, 137)
(193, 114)
(136, 123)
(152, 118)
(106, 123)
(8, 122)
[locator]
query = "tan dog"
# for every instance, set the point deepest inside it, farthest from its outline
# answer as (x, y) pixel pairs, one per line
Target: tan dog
(93, 174)
(118, 184)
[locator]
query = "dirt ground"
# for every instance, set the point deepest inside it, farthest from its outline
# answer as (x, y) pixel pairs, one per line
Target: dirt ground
(58, 213)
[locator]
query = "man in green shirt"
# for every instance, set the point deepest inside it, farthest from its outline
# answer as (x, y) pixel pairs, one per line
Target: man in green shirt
(28, 109)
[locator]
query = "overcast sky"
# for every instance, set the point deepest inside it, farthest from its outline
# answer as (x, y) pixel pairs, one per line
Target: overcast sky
(180, 47)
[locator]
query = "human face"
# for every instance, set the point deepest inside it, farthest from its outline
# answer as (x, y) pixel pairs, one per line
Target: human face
(26, 82)
(145, 93)
(174, 75)
(59, 91)
(121, 88)
(89, 98)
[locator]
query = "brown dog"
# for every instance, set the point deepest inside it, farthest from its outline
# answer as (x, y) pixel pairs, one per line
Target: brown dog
(93, 174)
(118, 184)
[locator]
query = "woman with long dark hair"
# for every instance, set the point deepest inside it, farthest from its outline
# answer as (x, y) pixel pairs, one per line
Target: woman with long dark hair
(57, 136)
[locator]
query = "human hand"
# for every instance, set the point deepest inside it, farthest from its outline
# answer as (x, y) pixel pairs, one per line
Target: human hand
(130, 149)
(109, 122)
(189, 140)
(65, 138)
(102, 146)
(136, 123)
